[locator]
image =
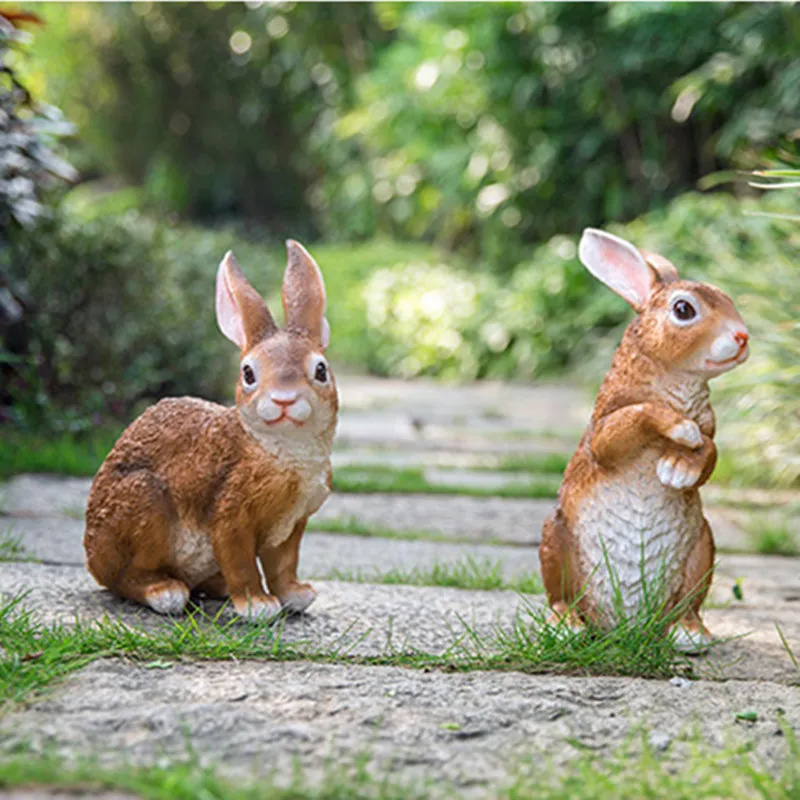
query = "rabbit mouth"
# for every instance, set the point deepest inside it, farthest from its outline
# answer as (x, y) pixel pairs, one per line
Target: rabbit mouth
(729, 362)
(284, 418)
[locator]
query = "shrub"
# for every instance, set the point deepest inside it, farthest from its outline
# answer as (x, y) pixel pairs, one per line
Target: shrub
(114, 311)
(223, 99)
(27, 132)
(438, 320)
(490, 127)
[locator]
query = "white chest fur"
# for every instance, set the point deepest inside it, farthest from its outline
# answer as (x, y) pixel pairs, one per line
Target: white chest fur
(308, 458)
(313, 477)
(643, 531)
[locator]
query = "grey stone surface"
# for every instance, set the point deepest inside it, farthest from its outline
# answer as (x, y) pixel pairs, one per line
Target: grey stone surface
(60, 541)
(52, 540)
(365, 618)
(478, 519)
(516, 521)
(472, 730)
(44, 496)
(541, 406)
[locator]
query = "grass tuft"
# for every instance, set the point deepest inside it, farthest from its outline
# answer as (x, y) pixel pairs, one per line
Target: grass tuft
(12, 549)
(773, 538)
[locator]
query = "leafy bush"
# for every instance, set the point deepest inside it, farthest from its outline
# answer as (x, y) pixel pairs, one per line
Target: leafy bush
(118, 309)
(27, 130)
(209, 107)
(437, 320)
(487, 127)
(114, 311)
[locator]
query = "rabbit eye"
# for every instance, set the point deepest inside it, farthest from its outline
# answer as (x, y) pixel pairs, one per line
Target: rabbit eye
(683, 310)
(321, 372)
(248, 375)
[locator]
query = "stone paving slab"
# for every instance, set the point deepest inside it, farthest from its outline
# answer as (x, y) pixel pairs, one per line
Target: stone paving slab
(60, 541)
(541, 406)
(479, 519)
(474, 730)
(44, 496)
(362, 618)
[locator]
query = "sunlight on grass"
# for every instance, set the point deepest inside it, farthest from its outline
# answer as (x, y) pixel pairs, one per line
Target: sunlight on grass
(369, 479)
(775, 531)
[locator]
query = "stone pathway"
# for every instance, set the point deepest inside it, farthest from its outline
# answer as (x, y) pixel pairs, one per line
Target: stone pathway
(473, 729)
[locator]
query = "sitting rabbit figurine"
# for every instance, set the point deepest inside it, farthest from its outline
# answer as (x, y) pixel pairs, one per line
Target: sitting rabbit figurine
(629, 500)
(193, 494)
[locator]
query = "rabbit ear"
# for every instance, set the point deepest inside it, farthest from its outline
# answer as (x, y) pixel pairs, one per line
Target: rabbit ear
(667, 271)
(304, 294)
(242, 315)
(619, 265)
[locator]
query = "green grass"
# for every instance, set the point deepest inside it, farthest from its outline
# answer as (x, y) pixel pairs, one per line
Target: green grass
(470, 573)
(65, 453)
(546, 463)
(351, 526)
(370, 479)
(37, 654)
(11, 548)
(633, 772)
(773, 538)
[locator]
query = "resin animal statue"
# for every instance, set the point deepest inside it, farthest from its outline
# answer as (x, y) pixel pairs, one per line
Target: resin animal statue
(194, 494)
(629, 523)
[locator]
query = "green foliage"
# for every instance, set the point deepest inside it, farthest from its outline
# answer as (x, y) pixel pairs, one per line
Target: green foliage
(27, 133)
(494, 126)
(115, 311)
(224, 99)
(71, 452)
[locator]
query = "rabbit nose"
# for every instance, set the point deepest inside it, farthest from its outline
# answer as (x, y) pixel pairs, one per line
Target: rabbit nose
(741, 338)
(282, 397)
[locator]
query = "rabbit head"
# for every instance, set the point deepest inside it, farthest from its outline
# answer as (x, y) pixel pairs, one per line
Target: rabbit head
(682, 325)
(285, 386)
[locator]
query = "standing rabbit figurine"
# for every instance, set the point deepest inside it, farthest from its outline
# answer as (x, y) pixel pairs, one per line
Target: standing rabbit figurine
(193, 494)
(629, 516)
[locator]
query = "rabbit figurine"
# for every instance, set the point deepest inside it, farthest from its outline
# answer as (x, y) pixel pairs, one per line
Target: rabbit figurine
(193, 494)
(629, 516)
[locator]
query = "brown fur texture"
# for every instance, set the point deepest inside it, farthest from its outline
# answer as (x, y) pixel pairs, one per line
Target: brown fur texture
(652, 422)
(194, 495)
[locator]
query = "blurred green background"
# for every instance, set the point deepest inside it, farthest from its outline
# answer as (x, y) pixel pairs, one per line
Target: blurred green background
(439, 159)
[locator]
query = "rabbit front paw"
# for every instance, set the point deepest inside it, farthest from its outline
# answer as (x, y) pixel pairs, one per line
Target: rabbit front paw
(257, 608)
(678, 471)
(686, 433)
(298, 597)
